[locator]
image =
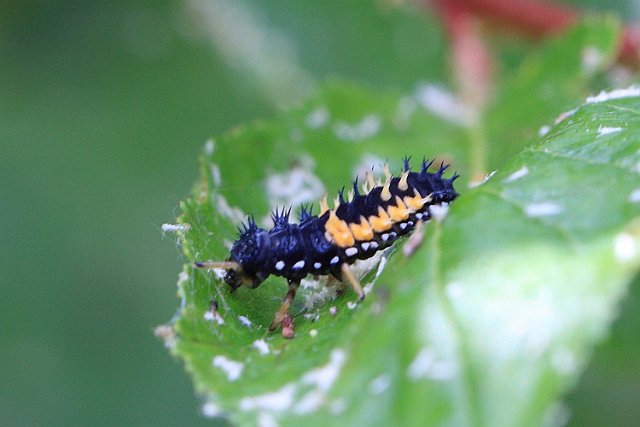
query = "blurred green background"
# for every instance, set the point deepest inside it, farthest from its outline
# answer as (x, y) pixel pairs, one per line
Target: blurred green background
(104, 107)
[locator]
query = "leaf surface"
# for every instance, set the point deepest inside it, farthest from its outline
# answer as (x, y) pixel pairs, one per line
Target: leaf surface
(489, 322)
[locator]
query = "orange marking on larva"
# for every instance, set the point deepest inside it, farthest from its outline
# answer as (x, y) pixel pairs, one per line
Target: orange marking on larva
(386, 192)
(370, 181)
(403, 185)
(382, 222)
(399, 212)
(414, 203)
(339, 231)
(387, 172)
(365, 188)
(324, 206)
(362, 231)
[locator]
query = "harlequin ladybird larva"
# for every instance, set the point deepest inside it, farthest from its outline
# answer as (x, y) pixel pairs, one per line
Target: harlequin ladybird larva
(328, 243)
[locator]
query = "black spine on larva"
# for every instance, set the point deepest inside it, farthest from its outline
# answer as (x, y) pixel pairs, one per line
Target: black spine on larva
(251, 251)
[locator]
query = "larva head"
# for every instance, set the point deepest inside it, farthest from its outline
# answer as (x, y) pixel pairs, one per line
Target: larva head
(433, 184)
(249, 252)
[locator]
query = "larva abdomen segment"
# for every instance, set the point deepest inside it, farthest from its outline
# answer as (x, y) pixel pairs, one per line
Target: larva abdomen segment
(385, 213)
(301, 249)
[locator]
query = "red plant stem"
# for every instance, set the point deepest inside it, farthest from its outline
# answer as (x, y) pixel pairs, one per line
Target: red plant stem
(537, 18)
(531, 17)
(629, 51)
(472, 66)
(470, 56)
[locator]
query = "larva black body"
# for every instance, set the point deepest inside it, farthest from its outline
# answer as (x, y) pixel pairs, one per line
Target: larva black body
(331, 241)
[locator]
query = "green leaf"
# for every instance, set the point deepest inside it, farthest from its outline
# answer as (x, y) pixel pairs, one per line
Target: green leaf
(547, 83)
(614, 372)
(501, 307)
(488, 323)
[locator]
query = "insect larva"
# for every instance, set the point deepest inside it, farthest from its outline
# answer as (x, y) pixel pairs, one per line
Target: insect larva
(328, 243)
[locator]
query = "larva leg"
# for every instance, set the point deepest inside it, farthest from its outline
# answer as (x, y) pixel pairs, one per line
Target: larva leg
(284, 308)
(353, 281)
